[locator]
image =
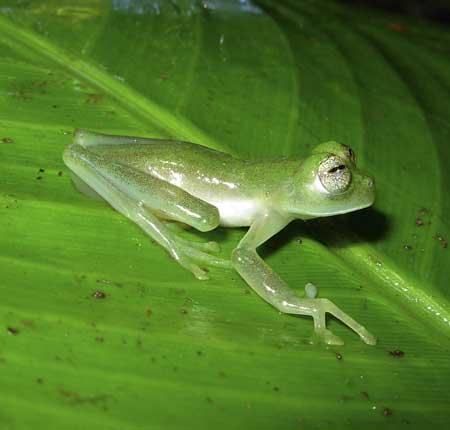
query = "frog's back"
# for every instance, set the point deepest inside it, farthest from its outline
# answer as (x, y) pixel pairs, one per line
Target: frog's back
(236, 187)
(157, 156)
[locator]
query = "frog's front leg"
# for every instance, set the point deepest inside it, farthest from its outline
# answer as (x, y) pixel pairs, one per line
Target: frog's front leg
(138, 196)
(275, 291)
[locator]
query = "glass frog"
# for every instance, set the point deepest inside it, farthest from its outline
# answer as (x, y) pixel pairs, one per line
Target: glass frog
(153, 181)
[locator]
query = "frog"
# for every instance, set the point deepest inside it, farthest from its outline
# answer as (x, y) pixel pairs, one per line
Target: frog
(158, 182)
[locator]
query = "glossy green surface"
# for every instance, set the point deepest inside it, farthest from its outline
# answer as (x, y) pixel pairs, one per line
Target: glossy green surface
(163, 349)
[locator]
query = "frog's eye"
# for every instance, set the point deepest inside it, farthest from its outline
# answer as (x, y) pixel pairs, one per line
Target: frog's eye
(334, 175)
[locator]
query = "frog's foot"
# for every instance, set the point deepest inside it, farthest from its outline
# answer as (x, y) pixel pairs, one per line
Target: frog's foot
(188, 254)
(323, 306)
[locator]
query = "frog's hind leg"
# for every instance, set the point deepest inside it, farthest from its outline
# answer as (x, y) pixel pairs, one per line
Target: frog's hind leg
(136, 195)
(87, 138)
(84, 188)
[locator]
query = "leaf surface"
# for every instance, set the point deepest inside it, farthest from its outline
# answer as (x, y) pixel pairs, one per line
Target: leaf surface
(257, 80)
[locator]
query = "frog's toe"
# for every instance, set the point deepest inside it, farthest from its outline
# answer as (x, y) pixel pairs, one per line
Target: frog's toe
(200, 274)
(213, 247)
(329, 337)
(210, 260)
(367, 337)
(193, 268)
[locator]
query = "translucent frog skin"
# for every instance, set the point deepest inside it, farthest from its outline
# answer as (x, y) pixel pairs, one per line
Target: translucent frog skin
(151, 181)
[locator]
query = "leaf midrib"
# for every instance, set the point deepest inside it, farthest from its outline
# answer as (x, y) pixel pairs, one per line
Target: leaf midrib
(139, 106)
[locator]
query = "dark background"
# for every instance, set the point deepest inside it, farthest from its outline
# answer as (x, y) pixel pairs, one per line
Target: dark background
(437, 10)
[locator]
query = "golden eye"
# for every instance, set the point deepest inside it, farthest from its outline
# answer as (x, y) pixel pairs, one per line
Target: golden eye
(334, 175)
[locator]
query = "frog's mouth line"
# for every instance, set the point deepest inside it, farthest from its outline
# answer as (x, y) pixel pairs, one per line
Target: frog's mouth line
(337, 212)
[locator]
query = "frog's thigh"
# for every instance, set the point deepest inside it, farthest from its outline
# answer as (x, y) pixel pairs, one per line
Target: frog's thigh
(89, 138)
(157, 195)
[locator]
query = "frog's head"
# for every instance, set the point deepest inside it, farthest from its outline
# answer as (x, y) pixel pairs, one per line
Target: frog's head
(328, 183)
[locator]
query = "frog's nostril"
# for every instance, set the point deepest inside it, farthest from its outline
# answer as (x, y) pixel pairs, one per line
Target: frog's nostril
(370, 182)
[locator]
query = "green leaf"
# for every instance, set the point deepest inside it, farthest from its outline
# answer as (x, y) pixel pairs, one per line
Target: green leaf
(255, 79)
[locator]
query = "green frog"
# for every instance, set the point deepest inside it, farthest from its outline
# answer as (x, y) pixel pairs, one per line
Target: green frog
(153, 181)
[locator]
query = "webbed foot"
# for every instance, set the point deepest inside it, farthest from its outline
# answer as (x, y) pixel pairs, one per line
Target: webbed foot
(323, 306)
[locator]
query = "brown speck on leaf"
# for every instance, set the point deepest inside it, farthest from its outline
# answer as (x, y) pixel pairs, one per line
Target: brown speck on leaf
(365, 395)
(387, 412)
(163, 77)
(423, 212)
(98, 295)
(68, 393)
(13, 330)
(419, 222)
(345, 398)
(22, 95)
(27, 323)
(148, 312)
(338, 356)
(397, 353)
(407, 247)
(396, 26)
(40, 84)
(183, 311)
(7, 140)
(93, 98)
(442, 241)
(99, 339)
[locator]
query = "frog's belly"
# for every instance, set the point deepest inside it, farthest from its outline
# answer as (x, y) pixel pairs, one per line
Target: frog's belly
(233, 211)
(236, 212)
(236, 208)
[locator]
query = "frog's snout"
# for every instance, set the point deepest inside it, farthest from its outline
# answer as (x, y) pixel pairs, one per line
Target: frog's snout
(370, 189)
